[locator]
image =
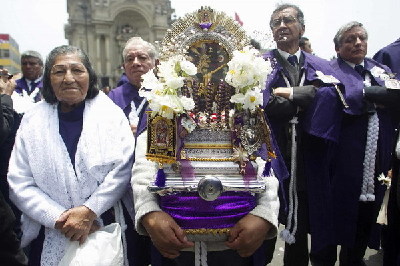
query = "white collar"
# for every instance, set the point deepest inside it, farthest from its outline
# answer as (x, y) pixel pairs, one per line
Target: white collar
(28, 81)
(286, 54)
(353, 65)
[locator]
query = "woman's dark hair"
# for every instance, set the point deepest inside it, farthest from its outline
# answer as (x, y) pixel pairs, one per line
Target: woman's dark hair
(48, 92)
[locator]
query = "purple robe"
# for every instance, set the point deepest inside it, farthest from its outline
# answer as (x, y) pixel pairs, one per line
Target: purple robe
(390, 56)
(318, 133)
(347, 173)
(22, 85)
(123, 96)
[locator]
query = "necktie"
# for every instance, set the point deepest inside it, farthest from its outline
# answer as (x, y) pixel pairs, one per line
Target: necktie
(360, 70)
(292, 60)
(32, 87)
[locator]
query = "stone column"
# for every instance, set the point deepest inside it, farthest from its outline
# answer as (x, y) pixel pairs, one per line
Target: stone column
(98, 50)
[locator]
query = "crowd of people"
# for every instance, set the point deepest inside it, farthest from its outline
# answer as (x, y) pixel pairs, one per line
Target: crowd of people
(68, 162)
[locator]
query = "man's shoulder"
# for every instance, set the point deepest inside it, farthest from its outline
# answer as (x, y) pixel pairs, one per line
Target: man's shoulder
(374, 63)
(6, 100)
(394, 46)
(20, 82)
(122, 95)
(315, 60)
(269, 54)
(117, 92)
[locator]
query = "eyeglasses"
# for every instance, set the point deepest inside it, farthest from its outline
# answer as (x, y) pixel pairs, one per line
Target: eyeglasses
(30, 63)
(77, 70)
(289, 20)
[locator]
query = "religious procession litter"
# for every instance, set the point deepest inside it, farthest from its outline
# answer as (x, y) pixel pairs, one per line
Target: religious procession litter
(204, 148)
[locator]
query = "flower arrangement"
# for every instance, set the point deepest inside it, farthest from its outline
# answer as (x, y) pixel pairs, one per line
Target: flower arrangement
(163, 96)
(247, 74)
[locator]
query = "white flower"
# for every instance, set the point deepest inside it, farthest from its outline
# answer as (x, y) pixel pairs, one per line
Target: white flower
(247, 69)
(250, 100)
(237, 98)
(188, 67)
(187, 103)
(150, 84)
(163, 97)
(174, 82)
(385, 180)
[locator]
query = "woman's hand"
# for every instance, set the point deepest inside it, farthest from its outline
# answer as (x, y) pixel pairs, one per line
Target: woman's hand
(165, 233)
(77, 223)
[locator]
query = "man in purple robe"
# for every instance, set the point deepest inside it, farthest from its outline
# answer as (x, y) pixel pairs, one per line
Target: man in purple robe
(365, 144)
(302, 106)
(32, 71)
(139, 57)
(390, 56)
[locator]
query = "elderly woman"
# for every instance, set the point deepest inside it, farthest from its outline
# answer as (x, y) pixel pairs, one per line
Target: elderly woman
(72, 158)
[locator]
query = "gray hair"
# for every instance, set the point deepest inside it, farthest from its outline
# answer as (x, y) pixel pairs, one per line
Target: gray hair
(345, 28)
(300, 15)
(48, 91)
(34, 54)
(151, 50)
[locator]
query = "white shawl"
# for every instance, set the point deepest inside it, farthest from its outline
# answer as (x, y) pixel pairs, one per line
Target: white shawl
(43, 183)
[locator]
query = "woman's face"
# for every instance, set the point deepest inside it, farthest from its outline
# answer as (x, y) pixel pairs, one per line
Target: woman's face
(70, 81)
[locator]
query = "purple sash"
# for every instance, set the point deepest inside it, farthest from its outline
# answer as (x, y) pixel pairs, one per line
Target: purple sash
(192, 212)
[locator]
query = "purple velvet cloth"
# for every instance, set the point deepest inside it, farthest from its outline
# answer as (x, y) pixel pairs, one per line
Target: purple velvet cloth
(390, 56)
(317, 134)
(70, 128)
(347, 172)
(123, 96)
(22, 85)
(192, 212)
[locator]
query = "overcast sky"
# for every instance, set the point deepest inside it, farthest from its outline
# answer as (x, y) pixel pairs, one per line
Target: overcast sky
(39, 25)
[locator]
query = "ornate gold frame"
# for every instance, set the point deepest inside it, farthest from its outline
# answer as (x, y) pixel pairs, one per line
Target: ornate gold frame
(161, 134)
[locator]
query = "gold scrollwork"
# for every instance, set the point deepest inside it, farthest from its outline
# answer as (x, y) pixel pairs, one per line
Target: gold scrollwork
(161, 139)
(204, 231)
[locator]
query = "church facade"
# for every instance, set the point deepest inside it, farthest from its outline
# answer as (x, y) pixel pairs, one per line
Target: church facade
(102, 27)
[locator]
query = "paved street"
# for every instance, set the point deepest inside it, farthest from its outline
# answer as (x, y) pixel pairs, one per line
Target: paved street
(372, 257)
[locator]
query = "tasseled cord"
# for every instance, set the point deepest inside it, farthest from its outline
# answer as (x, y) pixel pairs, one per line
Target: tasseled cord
(368, 186)
(288, 234)
(119, 218)
(267, 168)
(161, 177)
(200, 253)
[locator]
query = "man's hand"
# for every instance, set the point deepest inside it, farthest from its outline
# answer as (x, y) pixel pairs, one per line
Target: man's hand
(165, 233)
(7, 85)
(77, 223)
(283, 92)
(248, 235)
